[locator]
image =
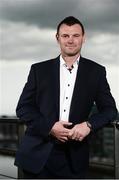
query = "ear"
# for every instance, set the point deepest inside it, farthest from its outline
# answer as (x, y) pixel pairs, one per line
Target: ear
(57, 37)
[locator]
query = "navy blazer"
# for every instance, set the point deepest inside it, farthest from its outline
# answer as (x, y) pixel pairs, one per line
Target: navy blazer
(38, 107)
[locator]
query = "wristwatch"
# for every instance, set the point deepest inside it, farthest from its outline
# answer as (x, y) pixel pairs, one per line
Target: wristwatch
(89, 125)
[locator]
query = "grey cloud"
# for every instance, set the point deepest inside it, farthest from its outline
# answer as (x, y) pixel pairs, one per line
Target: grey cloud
(20, 42)
(45, 14)
(97, 15)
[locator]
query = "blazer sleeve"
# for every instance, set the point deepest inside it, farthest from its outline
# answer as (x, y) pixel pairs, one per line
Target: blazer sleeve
(28, 111)
(105, 103)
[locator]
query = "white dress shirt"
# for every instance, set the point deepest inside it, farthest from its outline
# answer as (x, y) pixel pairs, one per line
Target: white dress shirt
(67, 82)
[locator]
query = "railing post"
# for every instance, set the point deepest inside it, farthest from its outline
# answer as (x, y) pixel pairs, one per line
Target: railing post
(21, 130)
(116, 149)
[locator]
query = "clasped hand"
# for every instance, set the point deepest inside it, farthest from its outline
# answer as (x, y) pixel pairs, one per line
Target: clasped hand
(62, 133)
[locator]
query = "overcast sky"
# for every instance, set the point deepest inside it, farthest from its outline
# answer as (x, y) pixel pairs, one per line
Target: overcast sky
(29, 27)
(27, 35)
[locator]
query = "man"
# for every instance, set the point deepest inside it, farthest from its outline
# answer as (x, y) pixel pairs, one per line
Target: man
(55, 105)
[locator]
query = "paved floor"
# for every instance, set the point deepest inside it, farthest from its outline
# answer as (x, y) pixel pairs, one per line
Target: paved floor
(5, 177)
(7, 168)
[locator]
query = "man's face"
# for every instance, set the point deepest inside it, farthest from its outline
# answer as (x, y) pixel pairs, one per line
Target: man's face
(70, 39)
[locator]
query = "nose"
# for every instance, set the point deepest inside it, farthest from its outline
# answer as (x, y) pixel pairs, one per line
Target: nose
(70, 40)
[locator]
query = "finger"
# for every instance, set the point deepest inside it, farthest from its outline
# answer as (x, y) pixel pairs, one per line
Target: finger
(66, 123)
(70, 133)
(77, 139)
(64, 139)
(65, 130)
(80, 139)
(76, 135)
(65, 133)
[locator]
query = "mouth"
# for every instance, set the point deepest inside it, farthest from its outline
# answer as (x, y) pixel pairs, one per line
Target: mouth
(70, 46)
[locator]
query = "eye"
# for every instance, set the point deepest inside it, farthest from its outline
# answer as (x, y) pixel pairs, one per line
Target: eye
(76, 35)
(64, 35)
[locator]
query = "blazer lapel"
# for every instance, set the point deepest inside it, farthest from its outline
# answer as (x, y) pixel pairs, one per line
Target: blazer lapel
(56, 82)
(80, 87)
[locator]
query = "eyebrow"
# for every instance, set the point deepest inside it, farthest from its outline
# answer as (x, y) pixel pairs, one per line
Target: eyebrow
(75, 34)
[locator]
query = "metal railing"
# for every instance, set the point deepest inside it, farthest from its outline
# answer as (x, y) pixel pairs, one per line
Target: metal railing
(11, 132)
(105, 166)
(116, 147)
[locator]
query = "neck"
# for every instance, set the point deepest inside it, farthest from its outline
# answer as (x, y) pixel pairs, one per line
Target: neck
(70, 59)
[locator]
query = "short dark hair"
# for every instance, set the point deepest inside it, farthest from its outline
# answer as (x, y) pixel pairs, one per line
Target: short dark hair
(70, 20)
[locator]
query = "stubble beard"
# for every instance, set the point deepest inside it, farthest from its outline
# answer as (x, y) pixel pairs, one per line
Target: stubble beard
(70, 54)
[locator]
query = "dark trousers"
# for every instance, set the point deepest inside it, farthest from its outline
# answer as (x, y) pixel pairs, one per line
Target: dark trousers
(58, 166)
(44, 174)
